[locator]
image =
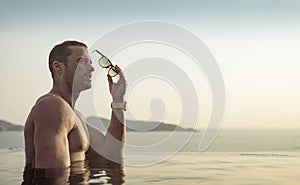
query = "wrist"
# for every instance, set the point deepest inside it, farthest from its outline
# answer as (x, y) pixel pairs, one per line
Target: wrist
(118, 99)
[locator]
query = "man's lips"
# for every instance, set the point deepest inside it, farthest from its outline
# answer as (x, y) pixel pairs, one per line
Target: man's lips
(89, 77)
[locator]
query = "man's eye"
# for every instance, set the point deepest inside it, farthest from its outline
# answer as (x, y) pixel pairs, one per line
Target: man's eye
(84, 61)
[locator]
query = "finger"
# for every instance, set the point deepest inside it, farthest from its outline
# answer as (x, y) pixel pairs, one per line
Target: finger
(110, 82)
(117, 68)
(121, 74)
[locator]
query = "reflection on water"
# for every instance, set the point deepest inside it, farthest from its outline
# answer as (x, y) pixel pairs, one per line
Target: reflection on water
(95, 170)
(189, 168)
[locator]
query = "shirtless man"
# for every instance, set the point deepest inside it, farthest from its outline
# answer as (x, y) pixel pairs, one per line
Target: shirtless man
(55, 133)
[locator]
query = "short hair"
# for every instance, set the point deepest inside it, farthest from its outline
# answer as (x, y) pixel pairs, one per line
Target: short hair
(60, 52)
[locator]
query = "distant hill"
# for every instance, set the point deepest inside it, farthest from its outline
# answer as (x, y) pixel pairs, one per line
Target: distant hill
(103, 124)
(7, 126)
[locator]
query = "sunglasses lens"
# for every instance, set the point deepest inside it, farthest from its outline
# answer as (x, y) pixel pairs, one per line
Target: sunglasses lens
(112, 72)
(104, 62)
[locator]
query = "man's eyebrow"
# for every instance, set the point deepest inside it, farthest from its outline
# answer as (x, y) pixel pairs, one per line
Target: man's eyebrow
(82, 58)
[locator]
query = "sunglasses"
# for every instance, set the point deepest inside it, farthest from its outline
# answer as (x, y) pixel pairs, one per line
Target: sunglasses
(106, 63)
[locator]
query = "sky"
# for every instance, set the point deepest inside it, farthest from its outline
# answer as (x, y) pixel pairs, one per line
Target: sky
(255, 44)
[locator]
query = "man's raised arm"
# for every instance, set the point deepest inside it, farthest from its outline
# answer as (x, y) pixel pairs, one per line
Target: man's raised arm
(110, 146)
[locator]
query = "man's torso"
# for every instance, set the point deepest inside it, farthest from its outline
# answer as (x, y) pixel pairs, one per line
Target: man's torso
(77, 134)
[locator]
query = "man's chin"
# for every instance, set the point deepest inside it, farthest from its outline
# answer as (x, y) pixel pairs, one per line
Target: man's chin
(87, 86)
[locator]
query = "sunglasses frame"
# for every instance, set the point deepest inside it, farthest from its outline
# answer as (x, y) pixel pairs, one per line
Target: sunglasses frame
(110, 66)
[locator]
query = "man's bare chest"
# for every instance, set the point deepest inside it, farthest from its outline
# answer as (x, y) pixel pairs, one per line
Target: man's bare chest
(78, 136)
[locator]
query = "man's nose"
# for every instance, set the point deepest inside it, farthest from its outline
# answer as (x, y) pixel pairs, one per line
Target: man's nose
(91, 68)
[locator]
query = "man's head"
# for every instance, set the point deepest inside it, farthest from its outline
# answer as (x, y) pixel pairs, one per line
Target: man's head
(70, 64)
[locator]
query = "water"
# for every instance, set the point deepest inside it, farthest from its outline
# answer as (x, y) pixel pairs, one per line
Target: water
(236, 157)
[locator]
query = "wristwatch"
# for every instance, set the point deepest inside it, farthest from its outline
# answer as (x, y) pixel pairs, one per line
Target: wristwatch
(119, 105)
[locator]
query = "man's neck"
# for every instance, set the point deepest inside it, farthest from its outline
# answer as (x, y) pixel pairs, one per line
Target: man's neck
(65, 93)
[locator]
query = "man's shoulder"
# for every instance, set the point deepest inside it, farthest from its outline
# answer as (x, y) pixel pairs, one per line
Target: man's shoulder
(53, 110)
(51, 100)
(51, 104)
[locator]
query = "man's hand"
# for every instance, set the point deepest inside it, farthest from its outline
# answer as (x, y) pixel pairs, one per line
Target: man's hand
(117, 90)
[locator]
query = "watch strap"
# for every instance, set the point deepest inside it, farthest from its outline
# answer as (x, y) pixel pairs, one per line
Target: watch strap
(119, 105)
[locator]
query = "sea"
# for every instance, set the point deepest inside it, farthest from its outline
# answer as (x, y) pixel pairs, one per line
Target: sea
(236, 157)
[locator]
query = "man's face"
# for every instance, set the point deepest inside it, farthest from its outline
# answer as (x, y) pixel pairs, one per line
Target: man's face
(79, 69)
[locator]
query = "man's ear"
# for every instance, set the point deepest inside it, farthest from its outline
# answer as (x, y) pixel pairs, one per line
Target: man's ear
(58, 67)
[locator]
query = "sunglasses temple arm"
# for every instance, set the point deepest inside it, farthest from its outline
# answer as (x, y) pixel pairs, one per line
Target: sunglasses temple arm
(98, 52)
